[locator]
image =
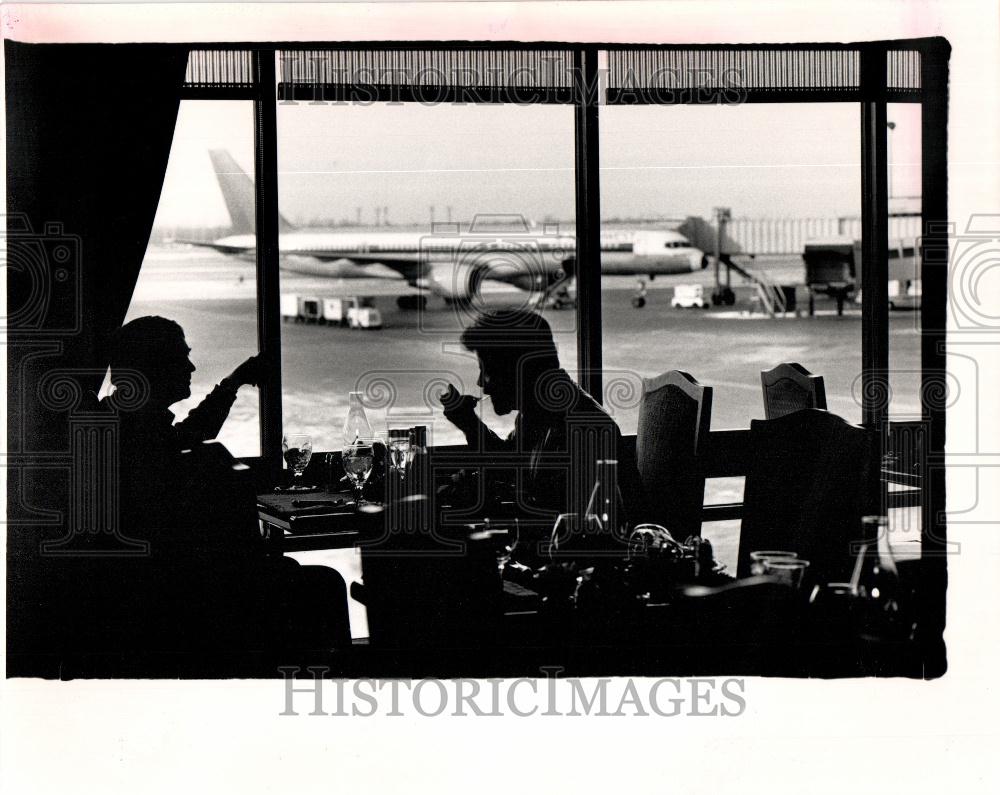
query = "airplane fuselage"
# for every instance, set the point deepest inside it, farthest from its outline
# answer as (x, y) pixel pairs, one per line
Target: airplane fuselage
(451, 261)
(622, 252)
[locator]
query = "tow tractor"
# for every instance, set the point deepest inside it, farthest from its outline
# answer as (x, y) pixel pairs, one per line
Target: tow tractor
(688, 296)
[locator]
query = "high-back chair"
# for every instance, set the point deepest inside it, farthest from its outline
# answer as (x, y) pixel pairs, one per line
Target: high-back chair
(674, 418)
(791, 387)
(812, 477)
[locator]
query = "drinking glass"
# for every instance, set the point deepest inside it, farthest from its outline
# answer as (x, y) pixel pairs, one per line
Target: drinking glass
(758, 559)
(400, 452)
(297, 449)
(789, 570)
(358, 459)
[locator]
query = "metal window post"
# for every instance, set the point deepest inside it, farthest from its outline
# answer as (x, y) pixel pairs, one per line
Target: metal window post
(874, 239)
(268, 311)
(934, 264)
(588, 220)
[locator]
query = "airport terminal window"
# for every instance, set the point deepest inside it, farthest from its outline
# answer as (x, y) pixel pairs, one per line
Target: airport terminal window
(904, 388)
(904, 181)
(788, 174)
(363, 172)
(211, 294)
(369, 189)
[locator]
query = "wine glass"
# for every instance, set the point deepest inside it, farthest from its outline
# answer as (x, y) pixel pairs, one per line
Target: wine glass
(358, 459)
(297, 449)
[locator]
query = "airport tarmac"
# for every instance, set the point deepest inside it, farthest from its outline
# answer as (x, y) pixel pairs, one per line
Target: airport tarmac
(406, 362)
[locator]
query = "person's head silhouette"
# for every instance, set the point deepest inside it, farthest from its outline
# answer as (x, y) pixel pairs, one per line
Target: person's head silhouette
(515, 347)
(154, 347)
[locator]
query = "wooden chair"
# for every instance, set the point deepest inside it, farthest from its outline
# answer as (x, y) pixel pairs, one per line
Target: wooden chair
(812, 477)
(791, 387)
(674, 418)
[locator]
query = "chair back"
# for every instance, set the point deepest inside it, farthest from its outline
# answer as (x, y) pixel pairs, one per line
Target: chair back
(812, 477)
(674, 418)
(791, 387)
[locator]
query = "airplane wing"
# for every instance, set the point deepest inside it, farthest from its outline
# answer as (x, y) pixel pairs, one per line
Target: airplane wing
(398, 259)
(443, 275)
(405, 264)
(222, 248)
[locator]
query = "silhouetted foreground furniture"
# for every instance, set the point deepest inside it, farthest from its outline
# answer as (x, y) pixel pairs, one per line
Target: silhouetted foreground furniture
(791, 387)
(420, 595)
(811, 479)
(674, 418)
(204, 598)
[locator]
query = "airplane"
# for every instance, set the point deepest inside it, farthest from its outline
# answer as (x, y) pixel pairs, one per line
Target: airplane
(448, 261)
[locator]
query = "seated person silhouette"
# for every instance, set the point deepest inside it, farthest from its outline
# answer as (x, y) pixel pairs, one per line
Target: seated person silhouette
(560, 431)
(206, 581)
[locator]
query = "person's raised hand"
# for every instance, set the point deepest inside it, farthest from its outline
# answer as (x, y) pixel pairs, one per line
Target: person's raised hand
(459, 409)
(251, 372)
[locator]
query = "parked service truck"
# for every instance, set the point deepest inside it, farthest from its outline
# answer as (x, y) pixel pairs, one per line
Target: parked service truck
(833, 268)
(353, 312)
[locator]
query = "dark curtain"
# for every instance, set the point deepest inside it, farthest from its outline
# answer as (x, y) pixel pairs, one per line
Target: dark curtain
(89, 130)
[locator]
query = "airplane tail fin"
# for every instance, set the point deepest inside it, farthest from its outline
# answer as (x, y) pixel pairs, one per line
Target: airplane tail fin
(701, 234)
(237, 190)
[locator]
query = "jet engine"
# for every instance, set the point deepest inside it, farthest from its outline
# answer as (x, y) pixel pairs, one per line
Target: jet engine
(458, 283)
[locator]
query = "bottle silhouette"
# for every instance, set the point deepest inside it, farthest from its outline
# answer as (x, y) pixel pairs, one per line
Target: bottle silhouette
(356, 426)
(878, 585)
(605, 522)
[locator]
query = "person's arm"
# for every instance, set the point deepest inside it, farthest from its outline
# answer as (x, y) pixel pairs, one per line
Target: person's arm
(205, 420)
(479, 436)
(464, 487)
(460, 411)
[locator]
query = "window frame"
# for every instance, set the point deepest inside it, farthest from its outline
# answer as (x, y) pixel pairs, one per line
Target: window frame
(881, 78)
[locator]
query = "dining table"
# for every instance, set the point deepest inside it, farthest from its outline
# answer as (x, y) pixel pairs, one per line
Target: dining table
(479, 610)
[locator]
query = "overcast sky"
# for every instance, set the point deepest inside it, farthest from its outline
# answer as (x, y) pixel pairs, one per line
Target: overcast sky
(760, 160)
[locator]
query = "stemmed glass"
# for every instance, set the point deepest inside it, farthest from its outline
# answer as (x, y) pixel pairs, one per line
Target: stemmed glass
(358, 459)
(297, 449)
